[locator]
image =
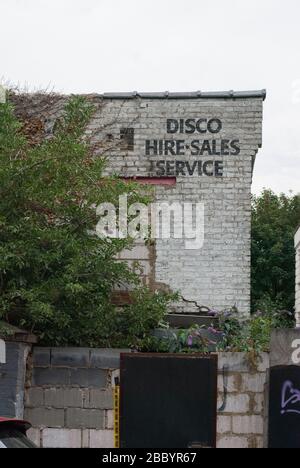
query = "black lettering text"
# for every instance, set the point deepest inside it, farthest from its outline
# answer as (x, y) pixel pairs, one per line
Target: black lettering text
(172, 126)
(170, 148)
(180, 165)
(206, 170)
(214, 126)
(151, 147)
(219, 168)
(235, 146)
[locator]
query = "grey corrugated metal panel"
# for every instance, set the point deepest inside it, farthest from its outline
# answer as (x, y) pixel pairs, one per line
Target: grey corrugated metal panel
(189, 95)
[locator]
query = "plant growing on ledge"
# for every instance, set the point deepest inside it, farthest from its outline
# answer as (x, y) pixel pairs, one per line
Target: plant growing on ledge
(251, 335)
(56, 279)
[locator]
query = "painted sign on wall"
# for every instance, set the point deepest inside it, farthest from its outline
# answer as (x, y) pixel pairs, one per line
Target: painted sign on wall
(199, 141)
(284, 399)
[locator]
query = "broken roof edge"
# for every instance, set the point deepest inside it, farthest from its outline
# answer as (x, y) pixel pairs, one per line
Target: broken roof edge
(189, 95)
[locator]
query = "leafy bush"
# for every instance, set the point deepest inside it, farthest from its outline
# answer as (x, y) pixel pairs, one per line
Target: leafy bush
(253, 333)
(56, 279)
(275, 219)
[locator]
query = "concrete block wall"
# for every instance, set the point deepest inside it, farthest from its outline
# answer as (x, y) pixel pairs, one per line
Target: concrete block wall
(69, 398)
(242, 407)
(218, 275)
(12, 379)
(297, 305)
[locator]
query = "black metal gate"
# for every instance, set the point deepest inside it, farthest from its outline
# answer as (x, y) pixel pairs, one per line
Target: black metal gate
(284, 407)
(284, 389)
(168, 401)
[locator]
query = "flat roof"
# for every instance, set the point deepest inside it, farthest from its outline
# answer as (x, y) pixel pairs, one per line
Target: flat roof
(189, 95)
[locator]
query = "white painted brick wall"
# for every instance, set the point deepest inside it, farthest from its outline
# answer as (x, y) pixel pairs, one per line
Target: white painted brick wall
(218, 275)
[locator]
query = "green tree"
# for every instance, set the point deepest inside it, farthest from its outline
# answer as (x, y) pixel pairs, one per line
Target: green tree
(56, 278)
(275, 219)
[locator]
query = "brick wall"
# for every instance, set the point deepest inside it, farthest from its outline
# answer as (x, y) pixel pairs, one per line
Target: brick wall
(69, 398)
(218, 275)
(224, 260)
(297, 247)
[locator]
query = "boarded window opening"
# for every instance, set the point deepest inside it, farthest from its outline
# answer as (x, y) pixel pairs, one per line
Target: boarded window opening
(127, 139)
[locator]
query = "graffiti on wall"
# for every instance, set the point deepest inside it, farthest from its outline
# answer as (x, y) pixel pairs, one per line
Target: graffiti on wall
(290, 398)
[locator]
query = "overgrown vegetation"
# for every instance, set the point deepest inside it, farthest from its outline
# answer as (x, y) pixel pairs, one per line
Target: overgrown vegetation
(252, 334)
(233, 334)
(56, 279)
(275, 219)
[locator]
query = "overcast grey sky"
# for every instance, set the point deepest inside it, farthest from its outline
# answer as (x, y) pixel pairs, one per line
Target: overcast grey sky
(158, 45)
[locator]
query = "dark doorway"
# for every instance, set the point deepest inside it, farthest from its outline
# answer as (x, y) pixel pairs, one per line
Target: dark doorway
(168, 401)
